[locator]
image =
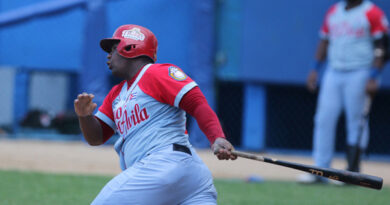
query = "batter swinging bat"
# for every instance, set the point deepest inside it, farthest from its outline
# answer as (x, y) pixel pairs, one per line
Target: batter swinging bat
(335, 174)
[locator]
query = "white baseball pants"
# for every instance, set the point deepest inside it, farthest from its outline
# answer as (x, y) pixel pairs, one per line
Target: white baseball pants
(340, 90)
(163, 177)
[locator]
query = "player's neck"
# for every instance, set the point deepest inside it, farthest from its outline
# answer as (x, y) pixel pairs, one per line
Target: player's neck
(135, 67)
(353, 4)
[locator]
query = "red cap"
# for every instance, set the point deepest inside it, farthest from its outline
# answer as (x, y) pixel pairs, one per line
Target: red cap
(133, 41)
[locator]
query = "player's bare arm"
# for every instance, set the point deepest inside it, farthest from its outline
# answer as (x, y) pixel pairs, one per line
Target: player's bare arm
(379, 61)
(312, 79)
(90, 126)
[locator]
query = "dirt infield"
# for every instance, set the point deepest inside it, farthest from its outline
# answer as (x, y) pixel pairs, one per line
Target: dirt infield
(79, 158)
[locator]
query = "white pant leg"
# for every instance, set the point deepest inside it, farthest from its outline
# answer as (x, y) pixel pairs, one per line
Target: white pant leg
(329, 107)
(207, 195)
(164, 177)
(355, 97)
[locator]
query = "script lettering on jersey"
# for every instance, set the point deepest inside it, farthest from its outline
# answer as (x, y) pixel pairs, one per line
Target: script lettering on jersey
(125, 119)
(345, 29)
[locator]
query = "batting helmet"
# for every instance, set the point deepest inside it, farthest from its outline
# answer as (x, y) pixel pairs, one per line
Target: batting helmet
(133, 41)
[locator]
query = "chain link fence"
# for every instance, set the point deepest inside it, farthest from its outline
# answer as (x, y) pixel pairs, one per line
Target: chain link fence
(290, 117)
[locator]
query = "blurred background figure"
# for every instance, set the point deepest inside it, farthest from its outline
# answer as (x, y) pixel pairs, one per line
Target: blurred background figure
(353, 38)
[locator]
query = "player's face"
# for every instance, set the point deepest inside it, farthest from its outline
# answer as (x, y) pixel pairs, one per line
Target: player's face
(116, 63)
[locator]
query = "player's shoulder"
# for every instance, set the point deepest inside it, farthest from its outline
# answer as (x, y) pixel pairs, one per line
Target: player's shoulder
(159, 67)
(335, 7)
(372, 8)
(162, 70)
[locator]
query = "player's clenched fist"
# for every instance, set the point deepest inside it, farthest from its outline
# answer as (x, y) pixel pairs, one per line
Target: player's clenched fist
(83, 105)
(222, 149)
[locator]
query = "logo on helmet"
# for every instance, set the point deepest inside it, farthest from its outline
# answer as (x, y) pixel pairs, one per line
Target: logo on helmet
(134, 33)
(176, 73)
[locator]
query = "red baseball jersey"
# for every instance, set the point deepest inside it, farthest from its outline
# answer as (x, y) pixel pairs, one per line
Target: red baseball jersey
(351, 34)
(146, 114)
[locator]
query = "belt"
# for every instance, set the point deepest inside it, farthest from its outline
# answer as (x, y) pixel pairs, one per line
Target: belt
(181, 148)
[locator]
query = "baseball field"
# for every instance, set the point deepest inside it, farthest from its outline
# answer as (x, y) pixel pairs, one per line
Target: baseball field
(46, 172)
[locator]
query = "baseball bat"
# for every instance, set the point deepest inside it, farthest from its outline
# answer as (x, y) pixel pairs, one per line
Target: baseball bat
(354, 151)
(355, 178)
(364, 119)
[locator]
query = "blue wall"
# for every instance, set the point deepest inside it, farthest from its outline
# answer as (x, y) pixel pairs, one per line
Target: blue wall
(279, 42)
(10, 5)
(48, 43)
(265, 41)
(229, 37)
(56, 42)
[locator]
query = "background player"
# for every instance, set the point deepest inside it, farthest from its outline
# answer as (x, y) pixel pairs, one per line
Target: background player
(147, 109)
(352, 37)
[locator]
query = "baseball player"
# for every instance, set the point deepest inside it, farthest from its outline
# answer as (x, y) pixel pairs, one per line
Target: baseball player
(148, 111)
(352, 39)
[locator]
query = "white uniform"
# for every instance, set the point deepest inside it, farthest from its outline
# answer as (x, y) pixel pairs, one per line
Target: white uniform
(350, 56)
(160, 167)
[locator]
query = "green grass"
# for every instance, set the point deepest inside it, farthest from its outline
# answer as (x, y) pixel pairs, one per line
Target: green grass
(39, 188)
(292, 193)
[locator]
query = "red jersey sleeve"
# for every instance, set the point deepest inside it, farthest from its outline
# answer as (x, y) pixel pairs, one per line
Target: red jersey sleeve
(105, 113)
(324, 32)
(166, 83)
(378, 21)
(195, 104)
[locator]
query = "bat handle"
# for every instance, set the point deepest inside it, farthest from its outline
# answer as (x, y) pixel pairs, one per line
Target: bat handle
(367, 106)
(247, 155)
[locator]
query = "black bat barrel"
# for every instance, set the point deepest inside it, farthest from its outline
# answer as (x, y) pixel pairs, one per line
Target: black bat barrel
(334, 174)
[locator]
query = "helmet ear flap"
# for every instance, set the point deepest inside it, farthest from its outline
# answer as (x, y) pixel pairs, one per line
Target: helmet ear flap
(128, 48)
